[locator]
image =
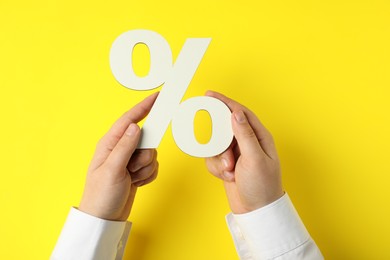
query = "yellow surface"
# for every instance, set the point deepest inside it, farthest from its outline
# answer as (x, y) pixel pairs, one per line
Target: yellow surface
(316, 73)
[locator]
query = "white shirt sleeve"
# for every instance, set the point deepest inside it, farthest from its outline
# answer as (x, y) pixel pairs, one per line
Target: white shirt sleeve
(274, 231)
(87, 237)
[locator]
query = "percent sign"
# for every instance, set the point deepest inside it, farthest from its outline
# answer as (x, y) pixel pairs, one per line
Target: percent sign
(176, 79)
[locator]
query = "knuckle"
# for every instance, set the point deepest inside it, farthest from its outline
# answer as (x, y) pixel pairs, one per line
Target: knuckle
(248, 133)
(153, 168)
(122, 145)
(100, 143)
(157, 166)
(145, 157)
(154, 176)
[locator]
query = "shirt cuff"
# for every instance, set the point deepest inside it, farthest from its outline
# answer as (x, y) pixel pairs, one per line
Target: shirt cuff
(268, 232)
(87, 237)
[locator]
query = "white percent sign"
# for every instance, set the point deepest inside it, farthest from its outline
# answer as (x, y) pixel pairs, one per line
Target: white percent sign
(176, 79)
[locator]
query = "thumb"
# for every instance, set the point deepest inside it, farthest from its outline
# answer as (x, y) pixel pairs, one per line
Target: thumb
(244, 134)
(124, 149)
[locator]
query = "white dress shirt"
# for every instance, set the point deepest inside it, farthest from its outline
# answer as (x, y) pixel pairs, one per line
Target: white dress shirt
(271, 232)
(274, 231)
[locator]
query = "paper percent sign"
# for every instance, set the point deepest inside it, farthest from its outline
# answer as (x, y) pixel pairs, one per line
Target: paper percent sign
(176, 79)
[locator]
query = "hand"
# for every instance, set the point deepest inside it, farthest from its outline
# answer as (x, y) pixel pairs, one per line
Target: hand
(250, 166)
(117, 168)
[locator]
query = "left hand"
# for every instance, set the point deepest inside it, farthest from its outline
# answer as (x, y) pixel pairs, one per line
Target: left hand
(117, 168)
(250, 167)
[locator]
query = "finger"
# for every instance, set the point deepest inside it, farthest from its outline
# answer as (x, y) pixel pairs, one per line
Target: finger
(222, 166)
(120, 155)
(111, 138)
(148, 180)
(141, 158)
(134, 115)
(245, 136)
(263, 135)
(144, 173)
(233, 105)
(227, 160)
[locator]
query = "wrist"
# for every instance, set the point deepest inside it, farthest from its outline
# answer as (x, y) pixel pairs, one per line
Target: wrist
(243, 207)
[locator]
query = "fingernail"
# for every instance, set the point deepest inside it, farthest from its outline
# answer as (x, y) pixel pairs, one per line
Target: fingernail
(240, 117)
(131, 130)
(229, 176)
(225, 162)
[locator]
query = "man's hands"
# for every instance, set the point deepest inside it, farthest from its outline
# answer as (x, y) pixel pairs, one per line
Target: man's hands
(117, 168)
(250, 166)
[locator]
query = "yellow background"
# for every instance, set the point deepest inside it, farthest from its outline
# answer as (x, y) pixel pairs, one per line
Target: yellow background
(315, 72)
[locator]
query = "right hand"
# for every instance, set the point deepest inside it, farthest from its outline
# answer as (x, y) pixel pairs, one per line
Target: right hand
(118, 168)
(250, 167)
